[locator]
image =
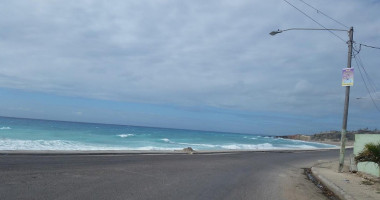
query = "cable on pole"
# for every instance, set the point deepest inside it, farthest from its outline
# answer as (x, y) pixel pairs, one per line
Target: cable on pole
(370, 95)
(319, 11)
(314, 20)
(372, 84)
(373, 47)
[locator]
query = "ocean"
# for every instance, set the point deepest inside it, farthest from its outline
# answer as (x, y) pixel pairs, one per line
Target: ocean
(33, 134)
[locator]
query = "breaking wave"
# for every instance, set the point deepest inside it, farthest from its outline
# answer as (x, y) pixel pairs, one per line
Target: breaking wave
(301, 146)
(5, 128)
(248, 146)
(11, 144)
(168, 141)
(125, 135)
(17, 144)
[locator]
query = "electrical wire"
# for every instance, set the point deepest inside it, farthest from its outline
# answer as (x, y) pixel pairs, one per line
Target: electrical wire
(372, 84)
(314, 20)
(318, 11)
(356, 52)
(370, 95)
(356, 56)
(369, 46)
(370, 81)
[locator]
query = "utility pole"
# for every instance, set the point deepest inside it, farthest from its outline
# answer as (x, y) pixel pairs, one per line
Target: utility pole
(346, 102)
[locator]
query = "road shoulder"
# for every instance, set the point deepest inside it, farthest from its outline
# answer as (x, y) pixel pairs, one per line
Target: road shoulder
(345, 185)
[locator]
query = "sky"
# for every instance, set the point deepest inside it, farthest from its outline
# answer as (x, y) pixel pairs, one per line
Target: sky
(204, 65)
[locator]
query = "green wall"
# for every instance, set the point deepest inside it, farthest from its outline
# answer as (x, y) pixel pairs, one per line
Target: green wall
(363, 139)
(360, 141)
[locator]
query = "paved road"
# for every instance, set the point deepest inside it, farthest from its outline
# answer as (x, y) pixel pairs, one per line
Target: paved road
(241, 175)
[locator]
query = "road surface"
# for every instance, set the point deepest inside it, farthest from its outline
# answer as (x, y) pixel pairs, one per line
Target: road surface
(234, 175)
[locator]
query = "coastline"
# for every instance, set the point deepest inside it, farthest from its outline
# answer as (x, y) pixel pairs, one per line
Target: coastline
(152, 152)
(332, 142)
(349, 145)
(322, 138)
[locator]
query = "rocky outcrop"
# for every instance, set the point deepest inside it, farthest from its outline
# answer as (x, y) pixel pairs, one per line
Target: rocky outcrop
(296, 137)
(188, 150)
(333, 136)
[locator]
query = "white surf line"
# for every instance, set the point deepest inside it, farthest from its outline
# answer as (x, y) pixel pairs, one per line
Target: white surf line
(155, 152)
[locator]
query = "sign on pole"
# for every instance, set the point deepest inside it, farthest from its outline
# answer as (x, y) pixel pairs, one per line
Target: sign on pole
(348, 77)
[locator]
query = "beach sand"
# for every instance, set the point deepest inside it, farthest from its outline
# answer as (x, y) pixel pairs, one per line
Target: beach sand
(337, 143)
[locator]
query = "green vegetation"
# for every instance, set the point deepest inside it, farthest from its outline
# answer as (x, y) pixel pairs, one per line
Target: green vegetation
(370, 153)
(336, 135)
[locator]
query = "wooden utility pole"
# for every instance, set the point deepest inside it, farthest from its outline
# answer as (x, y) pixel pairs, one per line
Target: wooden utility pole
(346, 102)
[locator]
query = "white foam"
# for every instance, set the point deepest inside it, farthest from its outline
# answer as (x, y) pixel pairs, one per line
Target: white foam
(167, 140)
(5, 128)
(301, 146)
(18, 144)
(11, 144)
(248, 146)
(150, 148)
(299, 142)
(203, 145)
(125, 135)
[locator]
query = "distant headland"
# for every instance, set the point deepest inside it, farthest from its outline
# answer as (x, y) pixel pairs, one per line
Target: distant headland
(330, 137)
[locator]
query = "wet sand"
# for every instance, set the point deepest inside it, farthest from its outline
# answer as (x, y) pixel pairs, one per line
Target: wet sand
(218, 175)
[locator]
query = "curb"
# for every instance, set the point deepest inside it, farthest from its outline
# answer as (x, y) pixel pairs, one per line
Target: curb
(331, 186)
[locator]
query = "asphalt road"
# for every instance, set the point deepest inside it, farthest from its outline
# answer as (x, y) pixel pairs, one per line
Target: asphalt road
(236, 175)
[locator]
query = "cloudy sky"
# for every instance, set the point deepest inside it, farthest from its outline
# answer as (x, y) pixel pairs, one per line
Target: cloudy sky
(192, 64)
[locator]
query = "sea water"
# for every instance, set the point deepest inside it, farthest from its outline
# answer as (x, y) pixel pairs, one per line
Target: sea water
(32, 134)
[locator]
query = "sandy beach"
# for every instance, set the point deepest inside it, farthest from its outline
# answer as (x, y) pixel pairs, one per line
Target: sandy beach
(218, 175)
(336, 143)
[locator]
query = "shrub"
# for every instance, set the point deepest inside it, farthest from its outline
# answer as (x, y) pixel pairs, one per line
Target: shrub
(370, 153)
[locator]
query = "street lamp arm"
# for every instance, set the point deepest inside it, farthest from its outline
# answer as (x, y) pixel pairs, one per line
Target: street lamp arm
(316, 29)
(306, 29)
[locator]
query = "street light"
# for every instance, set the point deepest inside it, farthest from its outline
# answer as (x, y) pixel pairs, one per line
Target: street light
(347, 94)
(275, 32)
(305, 29)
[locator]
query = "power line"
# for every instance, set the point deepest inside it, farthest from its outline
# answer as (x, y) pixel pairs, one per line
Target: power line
(357, 51)
(318, 11)
(373, 101)
(373, 85)
(356, 56)
(314, 20)
(369, 46)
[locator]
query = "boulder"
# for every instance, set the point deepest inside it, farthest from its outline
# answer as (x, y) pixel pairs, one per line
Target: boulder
(188, 150)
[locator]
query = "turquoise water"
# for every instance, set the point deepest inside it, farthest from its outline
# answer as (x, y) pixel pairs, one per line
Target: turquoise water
(30, 134)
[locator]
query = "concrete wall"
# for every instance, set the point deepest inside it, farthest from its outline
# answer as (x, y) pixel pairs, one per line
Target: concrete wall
(360, 141)
(363, 139)
(369, 168)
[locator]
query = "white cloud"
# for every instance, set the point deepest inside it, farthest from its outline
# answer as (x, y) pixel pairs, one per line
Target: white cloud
(214, 53)
(78, 113)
